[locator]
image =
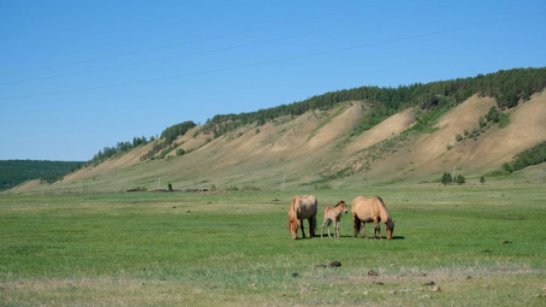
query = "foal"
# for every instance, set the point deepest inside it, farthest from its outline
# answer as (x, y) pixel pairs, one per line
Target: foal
(333, 215)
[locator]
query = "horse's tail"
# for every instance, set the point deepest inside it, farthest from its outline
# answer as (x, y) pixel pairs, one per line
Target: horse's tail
(384, 212)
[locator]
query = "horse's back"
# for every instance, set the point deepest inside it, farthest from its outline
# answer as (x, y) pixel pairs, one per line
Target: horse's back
(367, 208)
(307, 206)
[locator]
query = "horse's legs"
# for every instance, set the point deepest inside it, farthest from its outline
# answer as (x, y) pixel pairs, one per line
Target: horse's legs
(302, 230)
(356, 225)
(336, 228)
(363, 230)
(324, 224)
(312, 225)
(376, 229)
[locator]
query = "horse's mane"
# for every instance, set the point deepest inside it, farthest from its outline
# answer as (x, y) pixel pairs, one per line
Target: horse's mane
(292, 215)
(384, 210)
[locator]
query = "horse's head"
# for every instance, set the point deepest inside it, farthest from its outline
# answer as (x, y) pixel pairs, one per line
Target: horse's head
(341, 204)
(293, 222)
(293, 227)
(390, 228)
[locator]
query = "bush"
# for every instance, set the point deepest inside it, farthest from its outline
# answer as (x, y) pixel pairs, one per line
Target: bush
(447, 178)
(504, 120)
(482, 179)
(493, 115)
(532, 156)
(482, 122)
(460, 179)
(458, 138)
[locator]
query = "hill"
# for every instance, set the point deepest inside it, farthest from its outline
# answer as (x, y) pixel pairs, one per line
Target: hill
(15, 172)
(367, 135)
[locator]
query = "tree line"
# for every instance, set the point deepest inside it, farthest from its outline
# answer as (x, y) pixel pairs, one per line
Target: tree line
(121, 147)
(508, 87)
(168, 136)
(14, 172)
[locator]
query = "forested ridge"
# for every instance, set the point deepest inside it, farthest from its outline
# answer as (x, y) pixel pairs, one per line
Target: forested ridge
(507, 86)
(14, 172)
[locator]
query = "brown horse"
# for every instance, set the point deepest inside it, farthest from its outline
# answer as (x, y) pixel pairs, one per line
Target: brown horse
(367, 210)
(333, 214)
(302, 207)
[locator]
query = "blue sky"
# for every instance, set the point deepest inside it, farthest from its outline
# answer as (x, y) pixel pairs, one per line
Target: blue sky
(76, 76)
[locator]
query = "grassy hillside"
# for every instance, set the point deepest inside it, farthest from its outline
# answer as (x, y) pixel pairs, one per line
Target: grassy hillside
(14, 172)
(464, 246)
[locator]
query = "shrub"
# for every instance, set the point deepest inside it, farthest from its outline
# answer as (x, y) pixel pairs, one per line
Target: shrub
(460, 179)
(532, 156)
(475, 133)
(504, 120)
(493, 115)
(458, 138)
(447, 178)
(482, 122)
(507, 167)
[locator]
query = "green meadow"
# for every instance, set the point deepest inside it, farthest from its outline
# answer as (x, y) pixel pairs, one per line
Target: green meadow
(469, 245)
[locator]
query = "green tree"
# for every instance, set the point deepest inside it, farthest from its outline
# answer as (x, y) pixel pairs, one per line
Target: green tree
(493, 115)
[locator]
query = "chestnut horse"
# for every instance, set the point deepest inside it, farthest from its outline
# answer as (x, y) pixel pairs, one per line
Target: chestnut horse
(367, 210)
(333, 215)
(302, 207)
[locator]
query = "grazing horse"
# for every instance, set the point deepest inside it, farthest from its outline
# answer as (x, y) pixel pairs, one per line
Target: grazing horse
(367, 210)
(302, 207)
(333, 214)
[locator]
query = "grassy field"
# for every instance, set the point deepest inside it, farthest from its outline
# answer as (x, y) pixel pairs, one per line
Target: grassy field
(465, 246)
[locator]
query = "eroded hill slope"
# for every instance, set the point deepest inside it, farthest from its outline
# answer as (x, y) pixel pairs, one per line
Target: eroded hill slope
(319, 147)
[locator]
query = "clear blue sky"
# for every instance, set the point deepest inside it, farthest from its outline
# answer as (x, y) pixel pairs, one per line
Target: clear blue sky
(76, 76)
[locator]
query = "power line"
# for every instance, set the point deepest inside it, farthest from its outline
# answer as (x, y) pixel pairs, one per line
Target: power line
(324, 30)
(176, 45)
(319, 53)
